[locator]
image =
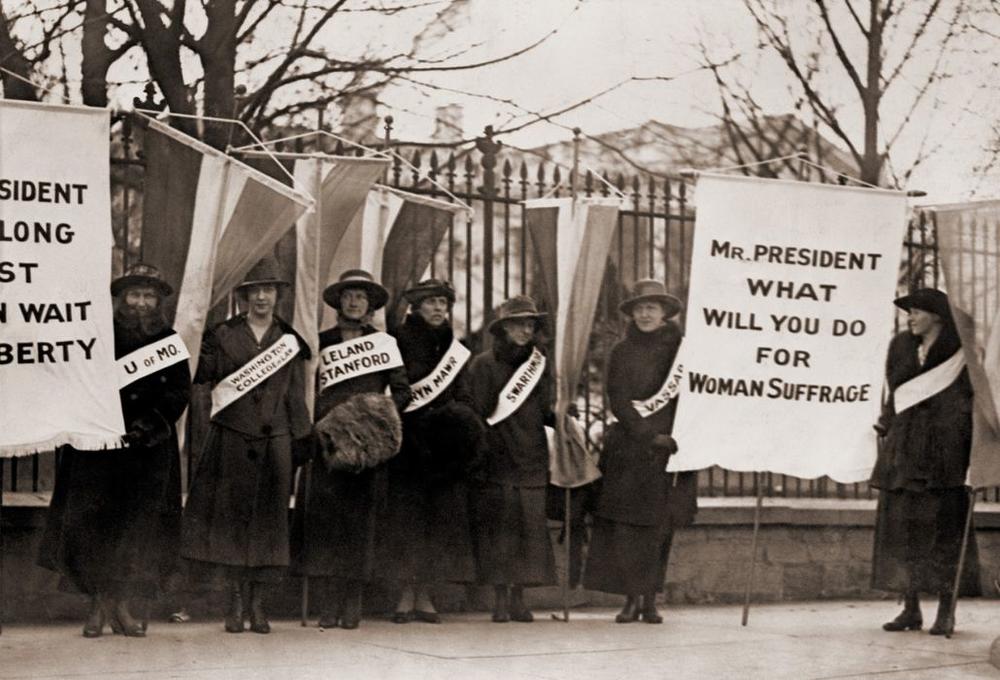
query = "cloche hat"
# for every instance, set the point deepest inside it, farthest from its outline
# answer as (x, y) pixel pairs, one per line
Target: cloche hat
(356, 278)
(429, 288)
(141, 274)
(651, 290)
(519, 307)
(266, 272)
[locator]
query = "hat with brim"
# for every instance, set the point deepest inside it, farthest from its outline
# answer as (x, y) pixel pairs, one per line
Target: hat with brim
(361, 280)
(520, 307)
(429, 288)
(267, 272)
(142, 276)
(651, 290)
(927, 299)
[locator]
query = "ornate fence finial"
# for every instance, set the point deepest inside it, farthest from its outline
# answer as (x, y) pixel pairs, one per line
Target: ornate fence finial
(150, 103)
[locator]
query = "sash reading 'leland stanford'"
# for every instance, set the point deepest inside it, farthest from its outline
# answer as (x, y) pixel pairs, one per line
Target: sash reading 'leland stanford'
(151, 358)
(671, 386)
(430, 387)
(357, 357)
(519, 387)
(926, 385)
(254, 372)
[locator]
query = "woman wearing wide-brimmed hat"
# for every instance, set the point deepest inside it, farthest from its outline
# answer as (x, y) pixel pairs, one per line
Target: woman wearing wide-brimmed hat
(513, 389)
(236, 518)
(114, 520)
(427, 538)
(341, 502)
(640, 504)
(926, 430)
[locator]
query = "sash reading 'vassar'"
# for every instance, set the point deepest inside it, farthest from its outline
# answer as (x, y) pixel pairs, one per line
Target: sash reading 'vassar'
(151, 358)
(671, 386)
(926, 385)
(430, 387)
(357, 357)
(519, 387)
(254, 372)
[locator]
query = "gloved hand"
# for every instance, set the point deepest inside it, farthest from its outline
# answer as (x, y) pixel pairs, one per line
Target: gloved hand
(146, 432)
(304, 449)
(665, 441)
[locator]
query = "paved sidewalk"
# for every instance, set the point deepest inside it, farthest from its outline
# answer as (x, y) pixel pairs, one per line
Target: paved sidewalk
(804, 640)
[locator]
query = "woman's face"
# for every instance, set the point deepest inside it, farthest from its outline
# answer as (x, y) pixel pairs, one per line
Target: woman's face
(142, 300)
(262, 299)
(922, 322)
(649, 315)
(353, 303)
(519, 331)
(434, 310)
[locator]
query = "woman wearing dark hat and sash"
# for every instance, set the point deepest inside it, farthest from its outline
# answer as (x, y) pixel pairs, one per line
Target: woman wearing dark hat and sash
(513, 389)
(236, 518)
(427, 537)
(640, 504)
(926, 430)
(114, 520)
(339, 512)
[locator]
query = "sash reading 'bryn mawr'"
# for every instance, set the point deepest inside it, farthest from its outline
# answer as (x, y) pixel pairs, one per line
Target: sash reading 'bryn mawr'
(430, 387)
(519, 387)
(671, 386)
(151, 358)
(253, 373)
(357, 357)
(926, 385)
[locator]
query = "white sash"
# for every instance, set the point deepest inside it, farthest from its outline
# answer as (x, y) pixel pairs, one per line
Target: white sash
(151, 358)
(519, 387)
(671, 386)
(430, 387)
(254, 373)
(357, 357)
(926, 385)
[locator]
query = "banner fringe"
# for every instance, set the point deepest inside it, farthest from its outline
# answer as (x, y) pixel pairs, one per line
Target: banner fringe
(81, 442)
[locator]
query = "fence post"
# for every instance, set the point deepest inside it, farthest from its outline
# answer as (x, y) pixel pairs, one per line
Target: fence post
(489, 149)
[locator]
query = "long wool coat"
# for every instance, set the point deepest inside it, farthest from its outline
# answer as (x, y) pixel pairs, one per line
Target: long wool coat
(339, 515)
(114, 520)
(237, 510)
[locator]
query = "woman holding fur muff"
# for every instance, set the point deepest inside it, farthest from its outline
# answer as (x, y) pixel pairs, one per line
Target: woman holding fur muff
(427, 538)
(342, 497)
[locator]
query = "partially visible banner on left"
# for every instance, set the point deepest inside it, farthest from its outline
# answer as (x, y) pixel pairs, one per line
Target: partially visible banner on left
(58, 379)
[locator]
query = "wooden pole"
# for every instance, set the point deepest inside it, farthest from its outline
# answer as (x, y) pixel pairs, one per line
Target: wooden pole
(753, 548)
(961, 558)
(306, 472)
(2, 591)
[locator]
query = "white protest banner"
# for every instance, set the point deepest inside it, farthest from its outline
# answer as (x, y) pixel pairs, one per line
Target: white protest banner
(789, 317)
(58, 378)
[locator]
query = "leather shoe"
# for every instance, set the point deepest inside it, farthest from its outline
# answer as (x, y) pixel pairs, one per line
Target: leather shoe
(94, 627)
(350, 622)
(501, 605)
(426, 617)
(630, 612)
(258, 618)
(648, 611)
(907, 620)
(328, 620)
(944, 624)
(402, 617)
(122, 622)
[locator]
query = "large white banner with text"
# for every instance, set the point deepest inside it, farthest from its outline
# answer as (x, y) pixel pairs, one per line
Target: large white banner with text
(789, 318)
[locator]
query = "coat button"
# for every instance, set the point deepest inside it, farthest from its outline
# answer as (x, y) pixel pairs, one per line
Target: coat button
(133, 396)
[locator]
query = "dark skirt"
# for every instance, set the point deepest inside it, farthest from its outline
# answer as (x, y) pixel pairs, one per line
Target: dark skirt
(918, 536)
(626, 558)
(511, 536)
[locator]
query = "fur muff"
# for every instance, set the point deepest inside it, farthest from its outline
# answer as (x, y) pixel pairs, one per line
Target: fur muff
(453, 434)
(360, 433)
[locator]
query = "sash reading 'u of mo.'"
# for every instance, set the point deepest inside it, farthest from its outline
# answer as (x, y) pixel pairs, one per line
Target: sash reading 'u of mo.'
(151, 358)
(519, 387)
(671, 386)
(430, 387)
(926, 385)
(253, 373)
(357, 357)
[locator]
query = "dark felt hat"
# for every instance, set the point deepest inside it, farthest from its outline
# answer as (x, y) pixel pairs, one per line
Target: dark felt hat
(141, 274)
(267, 272)
(356, 278)
(430, 288)
(928, 299)
(651, 290)
(519, 307)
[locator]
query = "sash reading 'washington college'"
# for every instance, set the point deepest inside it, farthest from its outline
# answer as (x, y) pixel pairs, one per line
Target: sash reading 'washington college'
(254, 373)
(151, 358)
(430, 387)
(357, 357)
(926, 385)
(519, 387)
(671, 386)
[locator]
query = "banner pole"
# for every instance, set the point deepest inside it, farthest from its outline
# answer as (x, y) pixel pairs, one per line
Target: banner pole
(3, 592)
(753, 548)
(961, 559)
(306, 473)
(567, 527)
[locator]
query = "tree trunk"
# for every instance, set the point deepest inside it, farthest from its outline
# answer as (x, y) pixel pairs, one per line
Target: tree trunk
(94, 66)
(14, 60)
(218, 60)
(871, 166)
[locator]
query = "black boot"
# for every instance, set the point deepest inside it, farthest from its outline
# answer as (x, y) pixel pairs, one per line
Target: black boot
(351, 616)
(258, 619)
(501, 604)
(122, 621)
(333, 604)
(944, 623)
(94, 627)
(234, 616)
(910, 618)
(518, 610)
(648, 611)
(630, 612)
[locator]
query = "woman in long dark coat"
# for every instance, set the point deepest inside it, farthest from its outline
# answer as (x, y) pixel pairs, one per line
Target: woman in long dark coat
(114, 521)
(510, 535)
(427, 537)
(922, 465)
(339, 514)
(236, 518)
(639, 504)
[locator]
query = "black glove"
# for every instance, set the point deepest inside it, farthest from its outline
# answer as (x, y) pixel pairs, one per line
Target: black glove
(665, 441)
(304, 448)
(147, 432)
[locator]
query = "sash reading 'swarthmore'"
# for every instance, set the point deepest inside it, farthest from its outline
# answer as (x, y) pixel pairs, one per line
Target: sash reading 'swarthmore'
(926, 385)
(151, 358)
(357, 357)
(671, 386)
(519, 387)
(253, 373)
(430, 387)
